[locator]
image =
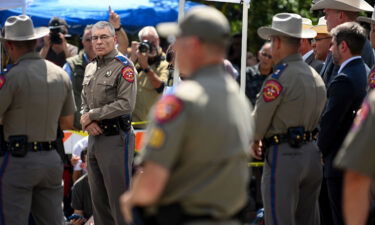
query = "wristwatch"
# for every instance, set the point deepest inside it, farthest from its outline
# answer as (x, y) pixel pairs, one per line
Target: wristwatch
(119, 28)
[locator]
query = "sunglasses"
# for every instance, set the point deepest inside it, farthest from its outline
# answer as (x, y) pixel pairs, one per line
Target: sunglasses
(319, 39)
(266, 55)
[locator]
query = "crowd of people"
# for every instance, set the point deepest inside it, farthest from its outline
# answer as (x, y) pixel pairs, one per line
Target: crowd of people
(307, 113)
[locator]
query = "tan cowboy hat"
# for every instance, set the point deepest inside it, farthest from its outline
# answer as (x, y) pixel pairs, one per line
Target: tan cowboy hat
(366, 19)
(306, 23)
(21, 28)
(286, 24)
(321, 27)
(345, 5)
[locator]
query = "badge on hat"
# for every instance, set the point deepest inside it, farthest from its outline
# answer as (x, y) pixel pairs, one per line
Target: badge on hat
(361, 115)
(128, 73)
(167, 108)
(371, 79)
(272, 89)
(2, 81)
(157, 138)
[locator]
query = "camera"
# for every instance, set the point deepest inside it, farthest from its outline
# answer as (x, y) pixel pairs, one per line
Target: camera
(145, 46)
(55, 36)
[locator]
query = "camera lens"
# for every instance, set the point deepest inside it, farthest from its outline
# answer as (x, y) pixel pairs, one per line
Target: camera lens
(144, 47)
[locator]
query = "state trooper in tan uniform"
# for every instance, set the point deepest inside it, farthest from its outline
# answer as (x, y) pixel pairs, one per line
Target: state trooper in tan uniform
(357, 157)
(108, 99)
(196, 155)
(286, 113)
(35, 95)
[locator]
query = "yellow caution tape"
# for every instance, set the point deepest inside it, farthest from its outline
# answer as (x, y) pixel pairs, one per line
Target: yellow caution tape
(256, 164)
(139, 123)
(80, 132)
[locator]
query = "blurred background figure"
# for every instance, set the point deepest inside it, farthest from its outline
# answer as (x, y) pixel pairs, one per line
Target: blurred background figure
(56, 48)
(322, 42)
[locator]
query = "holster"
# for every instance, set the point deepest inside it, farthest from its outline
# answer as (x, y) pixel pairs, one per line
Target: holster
(17, 145)
(112, 127)
(3, 145)
(296, 136)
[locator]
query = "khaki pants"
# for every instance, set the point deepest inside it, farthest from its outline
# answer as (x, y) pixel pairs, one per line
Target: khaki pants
(291, 185)
(109, 171)
(31, 184)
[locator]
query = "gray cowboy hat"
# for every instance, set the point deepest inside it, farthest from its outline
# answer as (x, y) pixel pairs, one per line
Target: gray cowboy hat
(21, 28)
(286, 24)
(345, 5)
(367, 19)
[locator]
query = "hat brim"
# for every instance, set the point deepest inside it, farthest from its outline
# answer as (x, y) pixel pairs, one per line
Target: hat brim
(365, 19)
(38, 33)
(266, 32)
(168, 29)
(321, 29)
(338, 5)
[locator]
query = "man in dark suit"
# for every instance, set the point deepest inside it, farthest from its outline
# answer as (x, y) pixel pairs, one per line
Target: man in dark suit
(338, 12)
(345, 95)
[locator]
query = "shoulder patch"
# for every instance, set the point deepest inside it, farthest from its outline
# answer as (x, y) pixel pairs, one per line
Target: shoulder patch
(167, 108)
(123, 60)
(2, 81)
(371, 79)
(361, 115)
(128, 73)
(279, 70)
(272, 89)
(157, 138)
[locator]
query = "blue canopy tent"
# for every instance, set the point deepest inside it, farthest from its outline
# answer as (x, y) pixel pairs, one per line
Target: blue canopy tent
(134, 14)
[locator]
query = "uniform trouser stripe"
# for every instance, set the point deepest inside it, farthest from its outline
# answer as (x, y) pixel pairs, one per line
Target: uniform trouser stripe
(2, 171)
(126, 158)
(273, 184)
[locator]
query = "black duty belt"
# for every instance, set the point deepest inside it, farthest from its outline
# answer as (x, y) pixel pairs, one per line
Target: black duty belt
(113, 126)
(35, 146)
(295, 139)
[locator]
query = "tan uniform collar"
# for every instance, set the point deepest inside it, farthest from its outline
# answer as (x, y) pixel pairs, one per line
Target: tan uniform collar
(107, 58)
(29, 55)
(210, 69)
(289, 58)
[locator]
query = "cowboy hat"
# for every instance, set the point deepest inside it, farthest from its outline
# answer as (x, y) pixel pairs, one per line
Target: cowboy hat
(21, 28)
(367, 19)
(321, 27)
(286, 24)
(345, 5)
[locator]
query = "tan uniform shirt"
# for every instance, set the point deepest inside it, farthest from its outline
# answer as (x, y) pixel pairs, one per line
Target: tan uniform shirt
(35, 94)
(291, 97)
(201, 134)
(109, 88)
(357, 152)
(146, 93)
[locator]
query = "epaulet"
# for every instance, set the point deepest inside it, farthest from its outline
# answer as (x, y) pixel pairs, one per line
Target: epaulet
(279, 70)
(123, 60)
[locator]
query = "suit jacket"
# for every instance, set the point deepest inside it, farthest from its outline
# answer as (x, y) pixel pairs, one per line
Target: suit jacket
(314, 63)
(345, 95)
(329, 70)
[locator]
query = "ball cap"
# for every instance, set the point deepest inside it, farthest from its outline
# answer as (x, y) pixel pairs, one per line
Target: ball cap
(203, 22)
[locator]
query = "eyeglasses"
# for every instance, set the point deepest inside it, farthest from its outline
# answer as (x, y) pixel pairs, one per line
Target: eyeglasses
(266, 55)
(319, 39)
(101, 37)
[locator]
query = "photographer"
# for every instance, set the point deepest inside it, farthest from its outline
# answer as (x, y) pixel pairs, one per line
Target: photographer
(56, 49)
(152, 69)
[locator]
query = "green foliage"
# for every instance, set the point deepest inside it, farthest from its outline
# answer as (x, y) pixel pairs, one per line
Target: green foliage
(260, 14)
